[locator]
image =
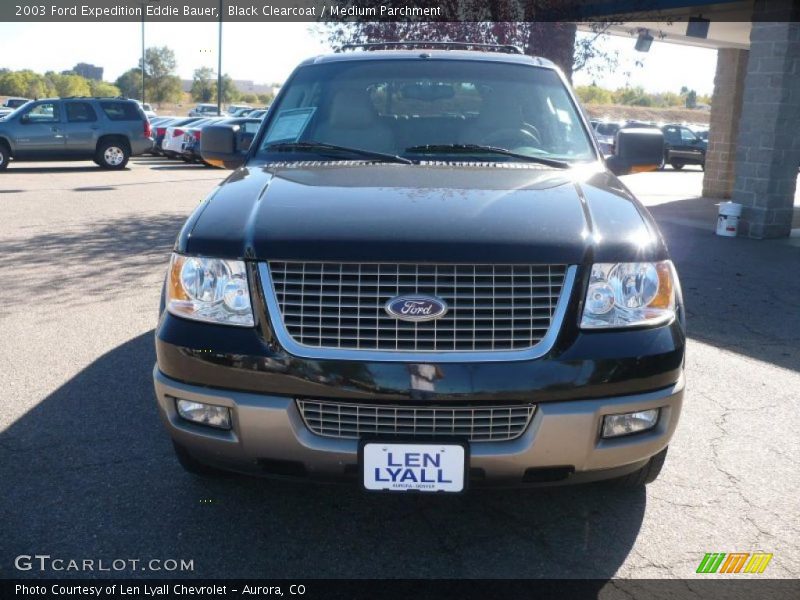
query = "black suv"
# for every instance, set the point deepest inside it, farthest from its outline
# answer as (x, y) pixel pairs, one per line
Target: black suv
(682, 147)
(422, 275)
(106, 130)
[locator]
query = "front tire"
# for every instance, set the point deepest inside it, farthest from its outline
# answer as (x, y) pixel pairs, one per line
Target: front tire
(112, 154)
(677, 165)
(647, 474)
(5, 157)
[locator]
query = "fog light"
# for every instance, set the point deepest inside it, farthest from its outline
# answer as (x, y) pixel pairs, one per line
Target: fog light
(628, 423)
(205, 414)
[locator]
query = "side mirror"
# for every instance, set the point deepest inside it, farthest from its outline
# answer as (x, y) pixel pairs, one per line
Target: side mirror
(220, 146)
(25, 119)
(637, 151)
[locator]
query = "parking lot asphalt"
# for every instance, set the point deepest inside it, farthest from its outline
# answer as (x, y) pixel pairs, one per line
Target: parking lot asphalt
(87, 470)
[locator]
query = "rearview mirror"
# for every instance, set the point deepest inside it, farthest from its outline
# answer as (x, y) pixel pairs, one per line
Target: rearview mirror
(220, 145)
(637, 151)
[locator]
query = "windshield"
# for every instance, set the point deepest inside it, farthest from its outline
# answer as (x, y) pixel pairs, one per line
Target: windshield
(419, 109)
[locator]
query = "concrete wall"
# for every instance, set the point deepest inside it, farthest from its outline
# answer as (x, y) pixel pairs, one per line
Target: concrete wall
(768, 148)
(726, 110)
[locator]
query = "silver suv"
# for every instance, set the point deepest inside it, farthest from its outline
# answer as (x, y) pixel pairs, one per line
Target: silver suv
(106, 130)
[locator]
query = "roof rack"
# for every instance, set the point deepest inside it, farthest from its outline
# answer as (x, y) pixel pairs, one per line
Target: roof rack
(419, 44)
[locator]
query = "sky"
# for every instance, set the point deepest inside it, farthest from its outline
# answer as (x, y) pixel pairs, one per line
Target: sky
(267, 52)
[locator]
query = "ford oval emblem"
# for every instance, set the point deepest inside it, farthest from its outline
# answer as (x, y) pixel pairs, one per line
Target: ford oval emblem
(416, 308)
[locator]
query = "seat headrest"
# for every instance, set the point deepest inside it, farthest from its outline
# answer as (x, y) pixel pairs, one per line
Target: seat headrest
(351, 108)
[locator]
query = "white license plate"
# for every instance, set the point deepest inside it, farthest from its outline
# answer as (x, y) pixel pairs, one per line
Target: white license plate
(399, 467)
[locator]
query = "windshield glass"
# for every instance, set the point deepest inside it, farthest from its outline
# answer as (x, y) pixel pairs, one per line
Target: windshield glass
(419, 109)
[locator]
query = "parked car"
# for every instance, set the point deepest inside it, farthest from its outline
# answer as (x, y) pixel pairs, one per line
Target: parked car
(258, 114)
(682, 146)
(193, 135)
(160, 129)
(159, 124)
(238, 110)
(106, 130)
(606, 132)
(4, 112)
(423, 276)
(148, 110)
(15, 102)
(172, 141)
(206, 110)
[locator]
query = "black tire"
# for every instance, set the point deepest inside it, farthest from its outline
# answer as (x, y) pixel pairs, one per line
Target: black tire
(112, 154)
(191, 465)
(5, 157)
(647, 474)
(677, 165)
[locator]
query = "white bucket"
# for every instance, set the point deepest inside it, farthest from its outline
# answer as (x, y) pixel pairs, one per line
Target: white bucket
(728, 219)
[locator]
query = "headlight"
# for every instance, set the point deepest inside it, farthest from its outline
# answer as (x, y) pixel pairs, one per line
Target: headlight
(630, 295)
(209, 289)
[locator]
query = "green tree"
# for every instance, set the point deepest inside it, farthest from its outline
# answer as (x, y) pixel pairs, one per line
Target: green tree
(265, 99)
(161, 83)
(69, 85)
(13, 83)
(101, 88)
(592, 94)
(691, 99)
(229, 91)
(493, 22)
(203, 84)
(129, 83)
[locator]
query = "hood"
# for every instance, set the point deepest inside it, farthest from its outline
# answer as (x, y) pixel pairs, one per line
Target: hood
(489, 213)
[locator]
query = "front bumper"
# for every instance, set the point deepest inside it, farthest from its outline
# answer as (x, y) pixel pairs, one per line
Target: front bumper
(561, 444)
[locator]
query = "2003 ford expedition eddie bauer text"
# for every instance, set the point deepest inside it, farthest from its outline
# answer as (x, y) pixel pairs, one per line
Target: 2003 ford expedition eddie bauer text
(422, 275)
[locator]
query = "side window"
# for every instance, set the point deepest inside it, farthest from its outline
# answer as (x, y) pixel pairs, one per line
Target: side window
(80, 112)
(46, 112)
(122, 111)
(671, 135)
(687, 135)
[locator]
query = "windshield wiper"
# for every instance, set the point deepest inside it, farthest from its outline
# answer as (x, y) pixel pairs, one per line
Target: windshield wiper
(475, 148)
(323, 148)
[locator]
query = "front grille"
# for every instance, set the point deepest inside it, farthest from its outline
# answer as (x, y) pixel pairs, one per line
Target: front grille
(341, 305)
(476, 423)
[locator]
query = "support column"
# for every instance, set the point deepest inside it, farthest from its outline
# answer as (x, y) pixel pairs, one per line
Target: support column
(726, 110)
(768, 148)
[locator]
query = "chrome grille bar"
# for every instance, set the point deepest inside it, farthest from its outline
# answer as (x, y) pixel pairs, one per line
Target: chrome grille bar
(475, 423)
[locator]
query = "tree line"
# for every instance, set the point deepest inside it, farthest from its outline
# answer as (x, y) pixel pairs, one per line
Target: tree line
(162, 83)
(637, 96)
(28, 84)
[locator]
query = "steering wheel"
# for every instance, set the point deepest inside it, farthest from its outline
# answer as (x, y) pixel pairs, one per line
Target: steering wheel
(512, 138)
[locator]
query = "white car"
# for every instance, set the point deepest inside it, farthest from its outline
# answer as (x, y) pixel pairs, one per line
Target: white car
(172, 146)
(146, 108)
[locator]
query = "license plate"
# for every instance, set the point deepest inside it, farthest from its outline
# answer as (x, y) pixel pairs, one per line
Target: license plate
(401, 467)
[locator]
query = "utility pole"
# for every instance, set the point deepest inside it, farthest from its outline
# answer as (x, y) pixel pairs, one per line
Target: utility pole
(219, 62)
(143, 11)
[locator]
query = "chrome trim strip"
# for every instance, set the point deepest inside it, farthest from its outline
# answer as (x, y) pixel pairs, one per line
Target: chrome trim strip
(292, 347)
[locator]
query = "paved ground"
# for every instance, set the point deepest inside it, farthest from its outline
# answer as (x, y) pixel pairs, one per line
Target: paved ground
(88, 472)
